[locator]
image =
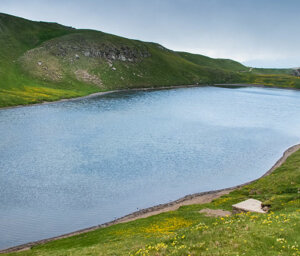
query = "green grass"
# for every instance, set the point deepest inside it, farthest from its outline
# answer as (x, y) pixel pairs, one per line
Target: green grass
(24, 44)
(270, 71)
(225, 64)
(284, 81)
(187, 232)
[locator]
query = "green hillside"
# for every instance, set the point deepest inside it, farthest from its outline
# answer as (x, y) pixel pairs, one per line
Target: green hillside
(42, 61)
(205, 61)
(274, 71)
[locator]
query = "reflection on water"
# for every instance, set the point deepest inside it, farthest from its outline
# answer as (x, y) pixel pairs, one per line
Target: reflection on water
(70, 165)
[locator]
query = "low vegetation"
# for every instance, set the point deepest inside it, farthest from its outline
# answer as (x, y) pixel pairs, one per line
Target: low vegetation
(188, 232)
(42, 61)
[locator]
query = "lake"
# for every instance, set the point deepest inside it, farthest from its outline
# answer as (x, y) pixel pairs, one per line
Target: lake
(70, 165)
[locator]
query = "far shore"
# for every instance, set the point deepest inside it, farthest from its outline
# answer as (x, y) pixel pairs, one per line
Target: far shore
(198, 198)
(256, 85)
(96, 94)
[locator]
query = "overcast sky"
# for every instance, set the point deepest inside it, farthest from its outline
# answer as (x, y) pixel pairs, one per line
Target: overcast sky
(262, 33)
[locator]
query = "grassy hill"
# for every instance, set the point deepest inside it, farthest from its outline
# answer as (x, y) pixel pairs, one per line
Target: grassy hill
(186, 231)
(205, 61)
(42, 61)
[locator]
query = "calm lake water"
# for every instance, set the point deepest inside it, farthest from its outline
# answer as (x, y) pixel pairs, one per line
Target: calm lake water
(71, 165)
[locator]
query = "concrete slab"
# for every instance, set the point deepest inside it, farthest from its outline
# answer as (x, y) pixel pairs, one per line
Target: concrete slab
(250, 205)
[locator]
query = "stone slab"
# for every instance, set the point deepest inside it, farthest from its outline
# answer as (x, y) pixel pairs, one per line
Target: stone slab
(249, 205)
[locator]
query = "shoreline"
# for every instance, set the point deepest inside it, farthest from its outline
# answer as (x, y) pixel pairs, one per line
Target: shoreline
(197, 198)
(241, 85)
(96, 94)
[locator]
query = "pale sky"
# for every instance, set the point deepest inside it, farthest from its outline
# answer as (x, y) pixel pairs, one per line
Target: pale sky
(261, 33)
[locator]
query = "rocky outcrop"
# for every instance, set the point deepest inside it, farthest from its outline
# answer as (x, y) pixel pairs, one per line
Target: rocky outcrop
(81, 46)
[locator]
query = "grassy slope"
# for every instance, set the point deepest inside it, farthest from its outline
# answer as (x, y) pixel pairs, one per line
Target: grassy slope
(225, 64)
(187, 232)
(274, 71)
(17, 36)
(24, 43)
(268, 77)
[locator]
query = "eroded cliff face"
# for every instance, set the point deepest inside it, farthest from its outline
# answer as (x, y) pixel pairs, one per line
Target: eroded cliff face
(96, 49)
(79, 45)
